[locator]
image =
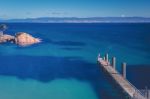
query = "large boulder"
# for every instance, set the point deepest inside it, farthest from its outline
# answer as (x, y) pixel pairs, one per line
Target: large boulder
(25, 39)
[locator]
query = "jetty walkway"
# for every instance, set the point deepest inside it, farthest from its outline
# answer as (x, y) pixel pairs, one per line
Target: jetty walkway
(119, 79)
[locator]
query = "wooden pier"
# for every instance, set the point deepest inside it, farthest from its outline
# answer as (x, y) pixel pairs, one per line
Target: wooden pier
(120, 80)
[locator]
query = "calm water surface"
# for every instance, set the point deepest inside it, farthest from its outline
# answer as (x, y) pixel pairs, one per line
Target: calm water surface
(64, 64)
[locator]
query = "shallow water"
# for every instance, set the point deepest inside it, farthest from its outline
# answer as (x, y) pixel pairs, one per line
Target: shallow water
(14, 88)
(64, 64)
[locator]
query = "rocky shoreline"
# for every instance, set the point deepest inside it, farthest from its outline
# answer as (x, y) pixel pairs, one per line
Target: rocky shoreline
(21, 38)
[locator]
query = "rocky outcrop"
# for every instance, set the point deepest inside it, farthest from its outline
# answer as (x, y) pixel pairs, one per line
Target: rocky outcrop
(6, 38)
(21, 38)
(25, 39)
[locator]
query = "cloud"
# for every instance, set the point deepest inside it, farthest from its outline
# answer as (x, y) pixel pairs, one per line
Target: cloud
(4, 16)
(123, 15)
(28, 13)
(57, 13)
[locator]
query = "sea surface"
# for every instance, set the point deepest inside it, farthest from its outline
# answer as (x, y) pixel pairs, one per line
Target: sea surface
(64, 65)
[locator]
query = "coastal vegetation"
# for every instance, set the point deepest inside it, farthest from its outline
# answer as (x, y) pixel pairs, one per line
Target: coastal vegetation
(3, 27)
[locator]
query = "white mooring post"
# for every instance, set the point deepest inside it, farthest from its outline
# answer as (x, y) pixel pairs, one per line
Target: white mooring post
(114, 62)
(106, 57)
(124, 70)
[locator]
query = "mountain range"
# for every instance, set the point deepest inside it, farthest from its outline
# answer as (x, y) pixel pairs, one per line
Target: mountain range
(80, 20)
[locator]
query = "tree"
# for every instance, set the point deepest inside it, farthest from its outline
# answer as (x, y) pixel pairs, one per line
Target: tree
(3, 27)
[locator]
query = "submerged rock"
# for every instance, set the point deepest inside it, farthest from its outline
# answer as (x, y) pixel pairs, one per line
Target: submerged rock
(25, 39)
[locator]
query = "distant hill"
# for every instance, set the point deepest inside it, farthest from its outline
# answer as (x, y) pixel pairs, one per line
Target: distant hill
(81, 20)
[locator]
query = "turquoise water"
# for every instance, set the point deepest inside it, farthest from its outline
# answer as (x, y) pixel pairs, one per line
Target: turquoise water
(64, 64)
(12, 88)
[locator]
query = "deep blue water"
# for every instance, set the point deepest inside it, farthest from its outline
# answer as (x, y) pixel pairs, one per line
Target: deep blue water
(69, 51)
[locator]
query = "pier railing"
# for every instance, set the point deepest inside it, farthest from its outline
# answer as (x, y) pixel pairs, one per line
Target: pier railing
(146, 93)
(137, 92)
(130, 89)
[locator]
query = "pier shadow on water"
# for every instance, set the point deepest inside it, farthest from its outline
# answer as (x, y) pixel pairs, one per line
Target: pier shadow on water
(48, 68)
(139, 75)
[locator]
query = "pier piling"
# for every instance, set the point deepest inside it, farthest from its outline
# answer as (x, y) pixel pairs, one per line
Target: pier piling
(114, 62)
(124, 70)
(106, 57)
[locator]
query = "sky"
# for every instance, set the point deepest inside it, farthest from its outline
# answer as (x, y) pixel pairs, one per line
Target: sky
(10, 9)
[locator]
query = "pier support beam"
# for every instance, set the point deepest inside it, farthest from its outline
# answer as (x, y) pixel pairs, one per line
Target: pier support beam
(114, 62)
(124, 70)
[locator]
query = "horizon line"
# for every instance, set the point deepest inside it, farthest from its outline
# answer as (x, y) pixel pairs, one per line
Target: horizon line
(78, 17)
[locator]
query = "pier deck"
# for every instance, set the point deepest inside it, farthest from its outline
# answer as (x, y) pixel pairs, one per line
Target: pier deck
(123, 83)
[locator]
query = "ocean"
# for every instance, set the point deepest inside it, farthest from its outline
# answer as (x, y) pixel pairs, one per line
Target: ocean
(64, 65)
